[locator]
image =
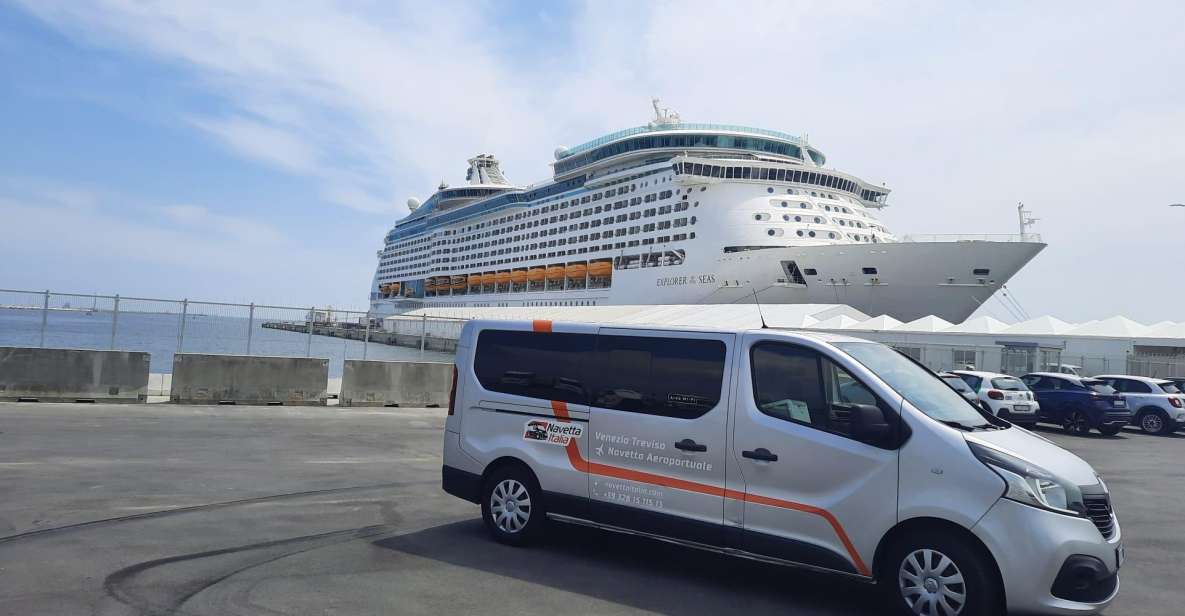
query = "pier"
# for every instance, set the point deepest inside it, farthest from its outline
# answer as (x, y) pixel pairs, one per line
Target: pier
(354, 331)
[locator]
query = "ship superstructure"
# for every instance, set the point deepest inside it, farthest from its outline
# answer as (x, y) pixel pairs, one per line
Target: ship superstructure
(682, 213)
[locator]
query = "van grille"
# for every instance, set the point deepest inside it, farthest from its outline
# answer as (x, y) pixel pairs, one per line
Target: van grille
(1098, 509)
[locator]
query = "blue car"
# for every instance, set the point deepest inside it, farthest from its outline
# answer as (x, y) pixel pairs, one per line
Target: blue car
(1078, 403)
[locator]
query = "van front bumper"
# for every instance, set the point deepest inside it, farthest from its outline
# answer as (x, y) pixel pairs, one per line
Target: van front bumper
(1051, 563)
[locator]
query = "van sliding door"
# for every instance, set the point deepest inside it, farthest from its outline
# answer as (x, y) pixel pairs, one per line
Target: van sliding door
(657, 421)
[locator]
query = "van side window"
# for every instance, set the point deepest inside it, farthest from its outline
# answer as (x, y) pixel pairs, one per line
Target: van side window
(800, 385)
(547, 366)
(672, 377)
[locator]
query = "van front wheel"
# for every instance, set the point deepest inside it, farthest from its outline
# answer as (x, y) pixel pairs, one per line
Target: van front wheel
(939, 574)
(511, 506)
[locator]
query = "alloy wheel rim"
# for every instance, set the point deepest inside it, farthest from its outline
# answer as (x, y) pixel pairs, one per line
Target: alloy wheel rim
(931, 584)
(1077, 423)
(510, 506)
(1152, 423)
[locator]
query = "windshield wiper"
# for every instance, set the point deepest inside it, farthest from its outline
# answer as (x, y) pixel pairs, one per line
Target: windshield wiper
(966, 428)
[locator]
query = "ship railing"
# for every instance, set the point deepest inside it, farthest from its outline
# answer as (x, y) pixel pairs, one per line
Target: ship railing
(973, 237)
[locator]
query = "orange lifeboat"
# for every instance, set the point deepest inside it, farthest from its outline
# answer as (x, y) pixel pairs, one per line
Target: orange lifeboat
(518, 276)
(555, 272)
(536, 274)
(394, 287)
(430, 284)
(502, 277)
(576, 270)
(458, 283)
(489, 278)
(600, 269)
(475, 280)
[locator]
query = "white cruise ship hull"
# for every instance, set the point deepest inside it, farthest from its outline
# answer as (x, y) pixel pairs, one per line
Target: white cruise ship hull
(911, 280)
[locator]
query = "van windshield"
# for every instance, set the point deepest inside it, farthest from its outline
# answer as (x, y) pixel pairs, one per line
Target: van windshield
(920, 387)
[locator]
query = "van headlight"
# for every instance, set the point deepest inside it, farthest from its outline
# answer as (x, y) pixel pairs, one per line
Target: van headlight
(1030, 484)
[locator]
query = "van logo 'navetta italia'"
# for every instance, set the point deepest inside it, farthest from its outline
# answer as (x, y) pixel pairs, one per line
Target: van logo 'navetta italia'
(552, 433)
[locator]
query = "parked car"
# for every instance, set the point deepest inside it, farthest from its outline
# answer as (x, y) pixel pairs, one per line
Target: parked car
(1078, 403)
(1002, 395)
(1157, 405)
(1179, 381)
(960, 386)
(804, 449)
(1065, 369)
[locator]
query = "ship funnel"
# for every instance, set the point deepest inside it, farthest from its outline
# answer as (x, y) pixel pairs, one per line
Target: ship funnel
(484, 169)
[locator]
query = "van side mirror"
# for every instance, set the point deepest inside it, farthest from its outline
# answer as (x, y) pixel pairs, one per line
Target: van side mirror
(868, 423)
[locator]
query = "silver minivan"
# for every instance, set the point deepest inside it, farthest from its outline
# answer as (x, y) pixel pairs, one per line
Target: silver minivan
(811, 450)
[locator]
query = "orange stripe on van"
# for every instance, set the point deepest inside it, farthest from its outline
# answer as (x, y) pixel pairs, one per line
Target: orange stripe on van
(541, 326)
(560, 409)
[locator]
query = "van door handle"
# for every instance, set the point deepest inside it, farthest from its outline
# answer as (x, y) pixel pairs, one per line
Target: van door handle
(761, 453)
(690, 445)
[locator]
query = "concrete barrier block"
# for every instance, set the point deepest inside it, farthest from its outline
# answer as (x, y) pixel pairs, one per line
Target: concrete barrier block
(73, 375)
(242, 379)
(395, 383)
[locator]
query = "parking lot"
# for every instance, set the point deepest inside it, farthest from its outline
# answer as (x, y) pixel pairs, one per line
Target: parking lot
(159, 509)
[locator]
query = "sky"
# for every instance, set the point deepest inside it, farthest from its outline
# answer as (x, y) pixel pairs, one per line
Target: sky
(259, 151)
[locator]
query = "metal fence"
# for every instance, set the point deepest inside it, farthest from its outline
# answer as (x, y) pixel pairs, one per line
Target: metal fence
(163, 327)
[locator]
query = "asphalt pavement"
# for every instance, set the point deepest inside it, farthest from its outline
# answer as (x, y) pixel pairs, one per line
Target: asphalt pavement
(161, 509)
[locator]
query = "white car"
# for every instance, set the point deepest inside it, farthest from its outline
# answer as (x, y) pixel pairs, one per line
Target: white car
(802, 449)
(1158, 404)
(1004, 396)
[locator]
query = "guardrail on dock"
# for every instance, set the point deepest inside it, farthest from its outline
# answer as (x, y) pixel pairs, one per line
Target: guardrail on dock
(162, 327)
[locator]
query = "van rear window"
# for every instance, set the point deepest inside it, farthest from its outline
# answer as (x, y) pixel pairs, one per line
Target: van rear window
(548, 366)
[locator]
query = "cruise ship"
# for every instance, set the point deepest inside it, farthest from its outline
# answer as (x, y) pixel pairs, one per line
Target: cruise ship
(682, 213)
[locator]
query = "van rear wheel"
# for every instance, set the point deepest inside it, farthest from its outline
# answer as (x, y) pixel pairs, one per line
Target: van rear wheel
(511, 506)
(938, 573)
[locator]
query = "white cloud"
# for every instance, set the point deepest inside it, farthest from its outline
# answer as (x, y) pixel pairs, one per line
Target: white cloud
(198, 219)
(267, 144)
(1072, 108)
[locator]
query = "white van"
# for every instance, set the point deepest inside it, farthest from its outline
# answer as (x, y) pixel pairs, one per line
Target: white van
(813, 450)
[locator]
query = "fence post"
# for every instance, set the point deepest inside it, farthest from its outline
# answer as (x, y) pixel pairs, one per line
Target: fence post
(308, 347)
(114, 320)
(181, 330)
(366, 337)
(44, 316)
(250, 326)
(423, 331)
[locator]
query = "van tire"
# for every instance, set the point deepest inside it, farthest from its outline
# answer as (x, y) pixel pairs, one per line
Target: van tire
(1154, 421)
(980, 588)
(512, 506)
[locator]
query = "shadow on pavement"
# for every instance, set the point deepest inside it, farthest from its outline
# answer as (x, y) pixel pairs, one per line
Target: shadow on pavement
(642, 573)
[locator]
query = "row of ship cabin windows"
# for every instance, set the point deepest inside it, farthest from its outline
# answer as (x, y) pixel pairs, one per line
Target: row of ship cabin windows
(607, 221)
(663, 239)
